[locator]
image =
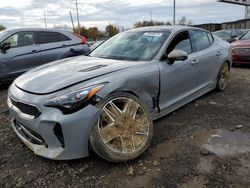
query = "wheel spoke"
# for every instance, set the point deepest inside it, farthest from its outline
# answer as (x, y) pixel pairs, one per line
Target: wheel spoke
(117, 111)
(131, 108)
(109, 133)
(110, 115)
(127, 144)
(140, 125)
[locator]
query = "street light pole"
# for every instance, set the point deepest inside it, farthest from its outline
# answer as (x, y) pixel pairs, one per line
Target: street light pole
(77, 17)
(174, 14)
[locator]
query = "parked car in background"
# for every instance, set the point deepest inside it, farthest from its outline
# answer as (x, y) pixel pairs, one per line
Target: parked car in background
(23, 49)
(109, 99)
(229, 35)
(241, 50)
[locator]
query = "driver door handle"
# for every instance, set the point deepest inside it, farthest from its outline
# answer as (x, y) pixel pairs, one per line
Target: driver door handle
(195, 61)
(34, 51)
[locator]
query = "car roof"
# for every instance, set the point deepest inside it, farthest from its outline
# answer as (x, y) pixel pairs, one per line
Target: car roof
(38, 29)
(165, 28)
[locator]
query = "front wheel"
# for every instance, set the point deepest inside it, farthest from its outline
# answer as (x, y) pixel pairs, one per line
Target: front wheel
(223, 77)
(123, 130)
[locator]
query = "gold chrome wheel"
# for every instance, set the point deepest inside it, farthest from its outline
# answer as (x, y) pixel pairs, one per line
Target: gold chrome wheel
(224, 76)
(123, 125)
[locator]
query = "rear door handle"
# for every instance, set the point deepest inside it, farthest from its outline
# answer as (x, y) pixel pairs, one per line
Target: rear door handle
(64, 45)
(195, 61)
(218, 53)
(34, 51)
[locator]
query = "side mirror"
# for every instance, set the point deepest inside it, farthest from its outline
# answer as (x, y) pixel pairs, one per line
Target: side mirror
(177, 55)
(5, 46)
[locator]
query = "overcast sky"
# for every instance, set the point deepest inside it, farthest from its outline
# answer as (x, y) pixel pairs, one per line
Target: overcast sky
(29, 13)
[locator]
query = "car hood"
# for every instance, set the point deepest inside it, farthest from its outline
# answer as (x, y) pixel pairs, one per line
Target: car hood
(61, 74)
(241, 43)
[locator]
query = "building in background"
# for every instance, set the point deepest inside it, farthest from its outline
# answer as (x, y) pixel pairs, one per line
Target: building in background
(239, 24)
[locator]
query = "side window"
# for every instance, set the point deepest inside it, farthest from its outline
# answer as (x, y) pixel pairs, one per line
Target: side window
(210, 38)
(181, 42)
(200, 40)
(20, 39)
(51, 37)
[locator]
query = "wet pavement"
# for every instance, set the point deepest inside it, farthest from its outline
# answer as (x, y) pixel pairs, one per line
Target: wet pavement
(229, 143)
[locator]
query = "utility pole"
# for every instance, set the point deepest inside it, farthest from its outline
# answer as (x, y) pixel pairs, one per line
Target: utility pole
(174, 14)
(77, 17)
(72, 21)
(45, 21)
(151, 16)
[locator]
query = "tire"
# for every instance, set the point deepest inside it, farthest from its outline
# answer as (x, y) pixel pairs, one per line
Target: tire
(223, 77)
(114, 136)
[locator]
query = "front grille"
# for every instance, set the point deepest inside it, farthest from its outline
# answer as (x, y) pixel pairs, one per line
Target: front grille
(28, 134)
(243, 51)
(26, 108)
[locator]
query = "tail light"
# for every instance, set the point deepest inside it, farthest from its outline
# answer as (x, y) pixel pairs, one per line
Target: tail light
(83, 38)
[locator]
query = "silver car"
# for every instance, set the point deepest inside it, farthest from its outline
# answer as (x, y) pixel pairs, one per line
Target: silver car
(108, 100)
(23, 49)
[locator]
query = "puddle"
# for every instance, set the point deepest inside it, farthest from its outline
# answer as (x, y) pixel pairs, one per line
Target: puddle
(224, 142)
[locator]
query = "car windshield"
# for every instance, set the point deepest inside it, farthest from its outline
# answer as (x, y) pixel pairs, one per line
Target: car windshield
(132, 46)
(246, 36)
(222, 34)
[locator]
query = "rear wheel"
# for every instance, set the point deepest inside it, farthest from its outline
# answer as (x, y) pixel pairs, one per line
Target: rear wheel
(223, 77)
(123, 130)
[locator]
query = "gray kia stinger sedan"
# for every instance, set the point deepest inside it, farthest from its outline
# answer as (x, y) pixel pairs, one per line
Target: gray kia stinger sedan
(108, 100)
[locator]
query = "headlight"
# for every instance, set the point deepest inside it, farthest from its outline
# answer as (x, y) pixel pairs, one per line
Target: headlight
(75, 100)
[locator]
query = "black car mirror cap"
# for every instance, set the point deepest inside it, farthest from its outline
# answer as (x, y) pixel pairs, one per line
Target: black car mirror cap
(177, 55)
(5, 46)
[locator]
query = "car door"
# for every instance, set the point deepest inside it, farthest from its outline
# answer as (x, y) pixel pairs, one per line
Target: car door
(206, 54)
(23, 54)
(178, 81)
(54, 45)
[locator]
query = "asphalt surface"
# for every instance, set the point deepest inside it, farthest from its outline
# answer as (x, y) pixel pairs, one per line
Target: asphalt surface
(189, 149)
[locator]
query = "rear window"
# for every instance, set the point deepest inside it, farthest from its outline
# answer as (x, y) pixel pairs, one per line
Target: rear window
(210, 38)
(200, 40)
(51, 37)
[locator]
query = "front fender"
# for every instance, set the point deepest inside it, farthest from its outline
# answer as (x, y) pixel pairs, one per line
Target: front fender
(142, 81)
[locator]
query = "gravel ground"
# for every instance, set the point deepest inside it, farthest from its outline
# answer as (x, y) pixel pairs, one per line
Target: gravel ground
(176, 157)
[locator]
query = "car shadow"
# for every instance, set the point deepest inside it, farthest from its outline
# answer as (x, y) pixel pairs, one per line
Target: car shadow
(240, 66)
(4, 87)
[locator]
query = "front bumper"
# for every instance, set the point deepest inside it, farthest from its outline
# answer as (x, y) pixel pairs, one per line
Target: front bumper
(53, 135)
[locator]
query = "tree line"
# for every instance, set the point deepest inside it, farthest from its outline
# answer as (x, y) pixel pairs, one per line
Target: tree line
(93, 33)
(183, 21)
(2, 27)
